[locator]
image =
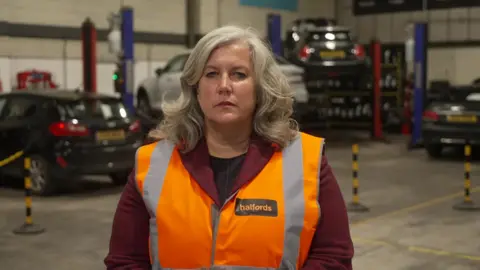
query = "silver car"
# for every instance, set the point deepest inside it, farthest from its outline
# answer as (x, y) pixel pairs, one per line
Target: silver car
(166, 84)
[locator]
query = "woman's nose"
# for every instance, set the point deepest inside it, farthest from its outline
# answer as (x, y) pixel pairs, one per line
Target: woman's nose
(224, 84)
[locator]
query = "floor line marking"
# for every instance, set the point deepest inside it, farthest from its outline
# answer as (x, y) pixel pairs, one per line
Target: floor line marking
(415, 207)
(418, 249)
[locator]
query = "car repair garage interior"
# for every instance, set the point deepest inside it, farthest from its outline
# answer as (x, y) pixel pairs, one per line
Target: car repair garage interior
(392, 87)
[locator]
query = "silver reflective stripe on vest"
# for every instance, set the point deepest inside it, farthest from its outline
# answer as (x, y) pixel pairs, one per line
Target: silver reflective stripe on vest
(294, 202)
(152, 187)
(322, 148)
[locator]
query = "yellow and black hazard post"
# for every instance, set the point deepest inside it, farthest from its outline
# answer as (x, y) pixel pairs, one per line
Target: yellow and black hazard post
(355, 205)
(28, 227)
(467, 204)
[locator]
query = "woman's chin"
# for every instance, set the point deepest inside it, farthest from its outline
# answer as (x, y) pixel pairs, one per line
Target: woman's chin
(227, 118)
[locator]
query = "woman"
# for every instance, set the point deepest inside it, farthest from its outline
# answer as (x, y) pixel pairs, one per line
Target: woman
(230, 182)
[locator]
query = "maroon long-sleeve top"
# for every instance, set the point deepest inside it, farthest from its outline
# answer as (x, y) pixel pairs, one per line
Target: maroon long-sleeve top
(331, 248)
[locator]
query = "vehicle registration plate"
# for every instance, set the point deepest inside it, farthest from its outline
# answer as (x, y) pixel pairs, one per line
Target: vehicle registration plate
(110, 135)
(462, 118)
(332, 54)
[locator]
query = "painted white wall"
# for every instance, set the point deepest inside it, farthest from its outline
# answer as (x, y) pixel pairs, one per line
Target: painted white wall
(67, 73)
(459, 65)
(214, 13)
(63, 60)
(150, 15)
(63, 57)
(163, 16)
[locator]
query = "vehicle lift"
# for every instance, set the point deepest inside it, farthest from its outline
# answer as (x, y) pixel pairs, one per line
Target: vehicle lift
(274, 31)
(274, 37)
(420, 35)
(89, 56)
(127, 57)
(121, 43)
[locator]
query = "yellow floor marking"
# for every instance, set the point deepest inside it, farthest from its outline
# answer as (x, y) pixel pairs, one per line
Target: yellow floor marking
(417, 249)
(419, 206)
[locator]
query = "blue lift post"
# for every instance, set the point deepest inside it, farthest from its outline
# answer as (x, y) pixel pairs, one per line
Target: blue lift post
(420, 82)
(274, 30)
(128, 57)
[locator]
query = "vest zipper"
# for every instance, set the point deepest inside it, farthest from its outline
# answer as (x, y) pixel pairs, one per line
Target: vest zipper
(215, 222)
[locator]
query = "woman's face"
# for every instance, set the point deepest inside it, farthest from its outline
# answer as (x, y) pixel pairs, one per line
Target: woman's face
(226, 90)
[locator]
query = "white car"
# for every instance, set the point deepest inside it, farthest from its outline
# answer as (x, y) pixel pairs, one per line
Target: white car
(166, 84)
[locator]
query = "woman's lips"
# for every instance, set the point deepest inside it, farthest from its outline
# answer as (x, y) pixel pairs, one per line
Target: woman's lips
(225, 103)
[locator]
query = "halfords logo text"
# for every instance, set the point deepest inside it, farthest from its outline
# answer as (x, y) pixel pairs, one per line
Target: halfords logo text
(256, 207)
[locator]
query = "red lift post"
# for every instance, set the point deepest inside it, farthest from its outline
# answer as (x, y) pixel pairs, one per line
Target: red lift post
(377, 126)
(89, 56)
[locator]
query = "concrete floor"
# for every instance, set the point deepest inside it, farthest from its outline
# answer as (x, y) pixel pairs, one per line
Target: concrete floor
(411, 224)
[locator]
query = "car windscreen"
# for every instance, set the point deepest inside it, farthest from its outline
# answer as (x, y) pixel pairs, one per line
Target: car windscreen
(324, 36)
(457, 95)
(94, 109)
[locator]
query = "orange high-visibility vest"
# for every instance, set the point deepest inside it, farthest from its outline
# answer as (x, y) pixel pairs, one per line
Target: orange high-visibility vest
(269, 223)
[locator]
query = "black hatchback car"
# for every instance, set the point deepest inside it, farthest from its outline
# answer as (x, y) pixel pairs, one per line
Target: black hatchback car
(452, 119)
(299, 27)
(331, 58)
(67, 134)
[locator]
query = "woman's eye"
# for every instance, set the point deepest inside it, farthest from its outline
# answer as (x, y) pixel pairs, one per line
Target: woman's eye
(240, 75)
(210, 74)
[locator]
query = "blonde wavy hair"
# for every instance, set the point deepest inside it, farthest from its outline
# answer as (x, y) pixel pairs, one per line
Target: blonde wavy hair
(183, 121)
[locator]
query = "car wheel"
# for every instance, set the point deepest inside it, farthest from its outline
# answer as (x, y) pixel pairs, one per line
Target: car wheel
(42, 182)
(120, 178)
(143, 104)
(434, 150)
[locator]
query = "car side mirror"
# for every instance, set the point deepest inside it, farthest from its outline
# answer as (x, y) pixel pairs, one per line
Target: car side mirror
(159, 71)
